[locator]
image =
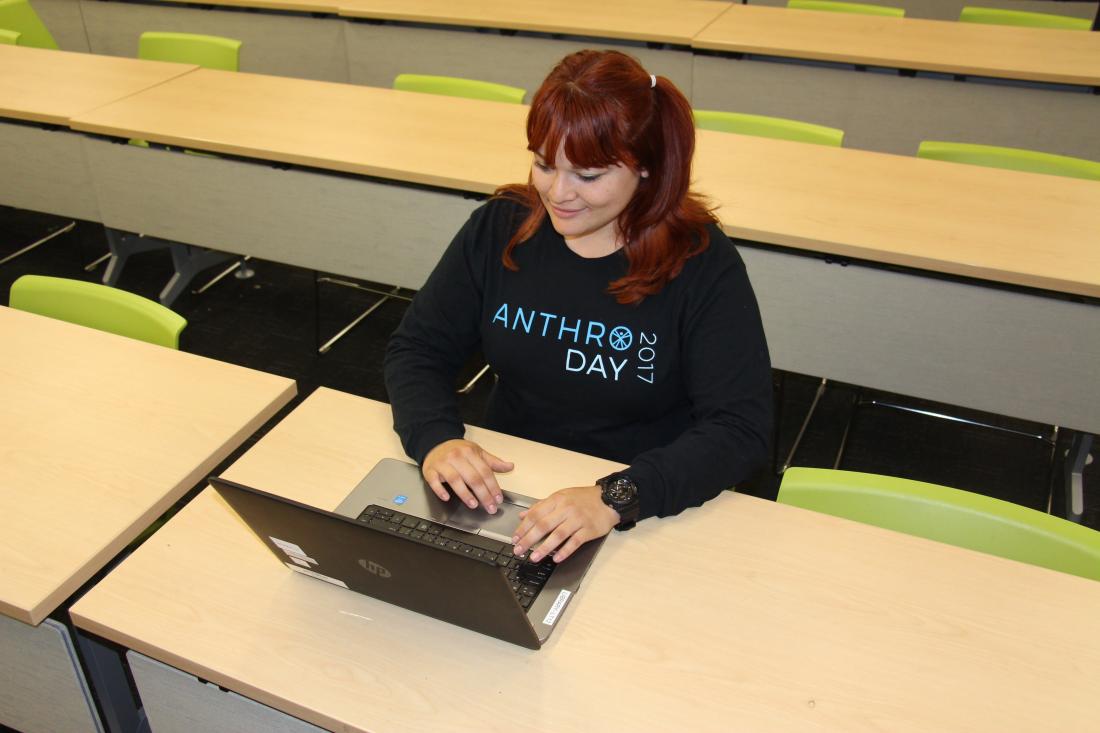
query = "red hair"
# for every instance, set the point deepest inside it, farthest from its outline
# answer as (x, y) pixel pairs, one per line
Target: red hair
(606, 109)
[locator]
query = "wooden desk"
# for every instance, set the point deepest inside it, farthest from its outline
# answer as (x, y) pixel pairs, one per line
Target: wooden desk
(348, 225)
(784, 76)
(962, 341)
(101, 435)
(959, 342)
(44, 169)
(301, 38)
(517, 42)
(743, 615)
(1035, 54)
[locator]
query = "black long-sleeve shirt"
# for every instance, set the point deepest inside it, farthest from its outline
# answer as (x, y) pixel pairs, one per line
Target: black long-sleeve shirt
(678, 386)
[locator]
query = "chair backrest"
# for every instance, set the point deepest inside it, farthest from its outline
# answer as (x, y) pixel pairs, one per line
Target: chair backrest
(453, 86)
(947, 515)
(9, 38)
(998, 16)
(19, 16)
(1031, 161)
(209, 52)
(763, 126)
(838, 7)
(98, 306)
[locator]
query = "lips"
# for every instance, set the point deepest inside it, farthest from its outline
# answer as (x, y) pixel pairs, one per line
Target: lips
(565, 213)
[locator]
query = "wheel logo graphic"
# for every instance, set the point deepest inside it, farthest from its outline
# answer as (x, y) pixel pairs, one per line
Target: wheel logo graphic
(620, 338)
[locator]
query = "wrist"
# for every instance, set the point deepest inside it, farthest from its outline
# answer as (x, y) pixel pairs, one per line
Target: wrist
(620, 494)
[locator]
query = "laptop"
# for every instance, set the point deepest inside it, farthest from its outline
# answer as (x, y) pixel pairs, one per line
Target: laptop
(394, 540)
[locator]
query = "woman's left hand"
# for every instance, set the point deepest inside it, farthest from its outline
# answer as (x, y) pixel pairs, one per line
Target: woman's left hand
(564, 521)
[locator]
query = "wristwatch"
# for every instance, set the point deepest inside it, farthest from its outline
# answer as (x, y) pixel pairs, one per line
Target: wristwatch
(620, 493)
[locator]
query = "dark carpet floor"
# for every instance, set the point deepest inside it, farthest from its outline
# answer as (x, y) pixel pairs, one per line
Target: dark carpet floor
(274, 321)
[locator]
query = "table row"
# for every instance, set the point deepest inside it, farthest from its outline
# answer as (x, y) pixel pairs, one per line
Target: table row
(833, 222)
(700, 45)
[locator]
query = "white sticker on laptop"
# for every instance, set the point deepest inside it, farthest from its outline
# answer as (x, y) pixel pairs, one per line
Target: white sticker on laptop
(313, 574)
(299, 561)
(292, 550)
(556, 609)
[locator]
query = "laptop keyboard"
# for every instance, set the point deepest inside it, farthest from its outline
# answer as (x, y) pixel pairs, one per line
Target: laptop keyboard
(527, 578)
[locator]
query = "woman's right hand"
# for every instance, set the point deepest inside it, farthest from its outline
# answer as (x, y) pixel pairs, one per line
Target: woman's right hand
(469, 470)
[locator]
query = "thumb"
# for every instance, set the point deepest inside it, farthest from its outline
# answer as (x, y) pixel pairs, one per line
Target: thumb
(499, 465)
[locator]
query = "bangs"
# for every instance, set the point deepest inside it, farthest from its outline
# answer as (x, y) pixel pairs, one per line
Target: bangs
(584, 124)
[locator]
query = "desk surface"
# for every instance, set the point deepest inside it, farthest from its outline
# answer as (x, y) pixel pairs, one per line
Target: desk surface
(101, 435)
(743, 615)
(641, 20)
(1036, 54)
(304, 6)
(1021, 228)
(1018, 228)
(42, 85)
(462, 144)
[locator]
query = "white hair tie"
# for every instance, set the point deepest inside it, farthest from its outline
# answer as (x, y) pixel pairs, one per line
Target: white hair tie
(652, 81)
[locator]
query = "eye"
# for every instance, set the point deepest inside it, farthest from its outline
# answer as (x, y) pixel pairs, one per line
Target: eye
(589, 177)
(542, 166)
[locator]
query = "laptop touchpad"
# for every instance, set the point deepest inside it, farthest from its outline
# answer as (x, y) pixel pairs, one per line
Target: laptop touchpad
(500, 526)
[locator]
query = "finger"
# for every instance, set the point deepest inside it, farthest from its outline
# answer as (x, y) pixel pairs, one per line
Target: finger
(458, 486)
(489, 481)
(561, 533)
(475, 483)
(540, 528)
(497, 463)
(436, 484)
(571, 545)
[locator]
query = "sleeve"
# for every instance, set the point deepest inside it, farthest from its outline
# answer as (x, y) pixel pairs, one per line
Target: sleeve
(437, 335)
(727, 373)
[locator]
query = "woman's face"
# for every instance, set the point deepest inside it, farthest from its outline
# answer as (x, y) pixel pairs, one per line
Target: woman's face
(584, 203)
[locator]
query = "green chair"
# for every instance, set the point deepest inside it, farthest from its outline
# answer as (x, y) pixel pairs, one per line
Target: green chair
(763, 126)
(947, 515)
(452, 86)
(837, 7)
(998, 16)
(210, 52)
(19, 16)
(1016, 159)
(98, 306)
(9, 38)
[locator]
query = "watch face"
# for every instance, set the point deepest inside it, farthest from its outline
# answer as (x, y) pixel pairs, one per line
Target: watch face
(621, 491)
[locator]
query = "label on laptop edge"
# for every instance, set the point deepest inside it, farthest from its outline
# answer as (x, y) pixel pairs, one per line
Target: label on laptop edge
(317, 575)
(556, 609)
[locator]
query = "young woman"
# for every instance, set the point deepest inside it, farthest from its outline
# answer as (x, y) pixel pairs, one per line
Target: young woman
(616, 314)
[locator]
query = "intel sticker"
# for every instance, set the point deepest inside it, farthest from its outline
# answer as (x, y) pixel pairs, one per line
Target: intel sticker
(400, 499)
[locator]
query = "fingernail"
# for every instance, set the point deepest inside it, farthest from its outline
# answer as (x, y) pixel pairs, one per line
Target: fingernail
(515, 539)
(500, 499)
(491, 509)
(558, 557)
(517, 551)
(446, 496)
(535, 557)
(472, 503)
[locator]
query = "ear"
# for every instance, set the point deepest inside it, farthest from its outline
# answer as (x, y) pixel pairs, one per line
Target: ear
(643, 173)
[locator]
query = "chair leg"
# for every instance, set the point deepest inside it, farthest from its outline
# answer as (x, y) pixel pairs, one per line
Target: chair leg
(848, 428)
(392, 294)
(468, 387)
(34, 245)
(802, 430)
(1076, 460)
(97, 262)
(188, 261)
(122, 245)
(237, 267)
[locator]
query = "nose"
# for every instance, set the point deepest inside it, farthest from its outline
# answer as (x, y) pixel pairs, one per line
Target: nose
(561, 189)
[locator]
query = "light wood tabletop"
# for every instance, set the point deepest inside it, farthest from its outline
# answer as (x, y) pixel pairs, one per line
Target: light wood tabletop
(462, 144)
(1003, 226)
(1018, 228)
(662, 21)
(1036, 54)
(101, 435)
(741, 615)
(304, 6)
(42, 85)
